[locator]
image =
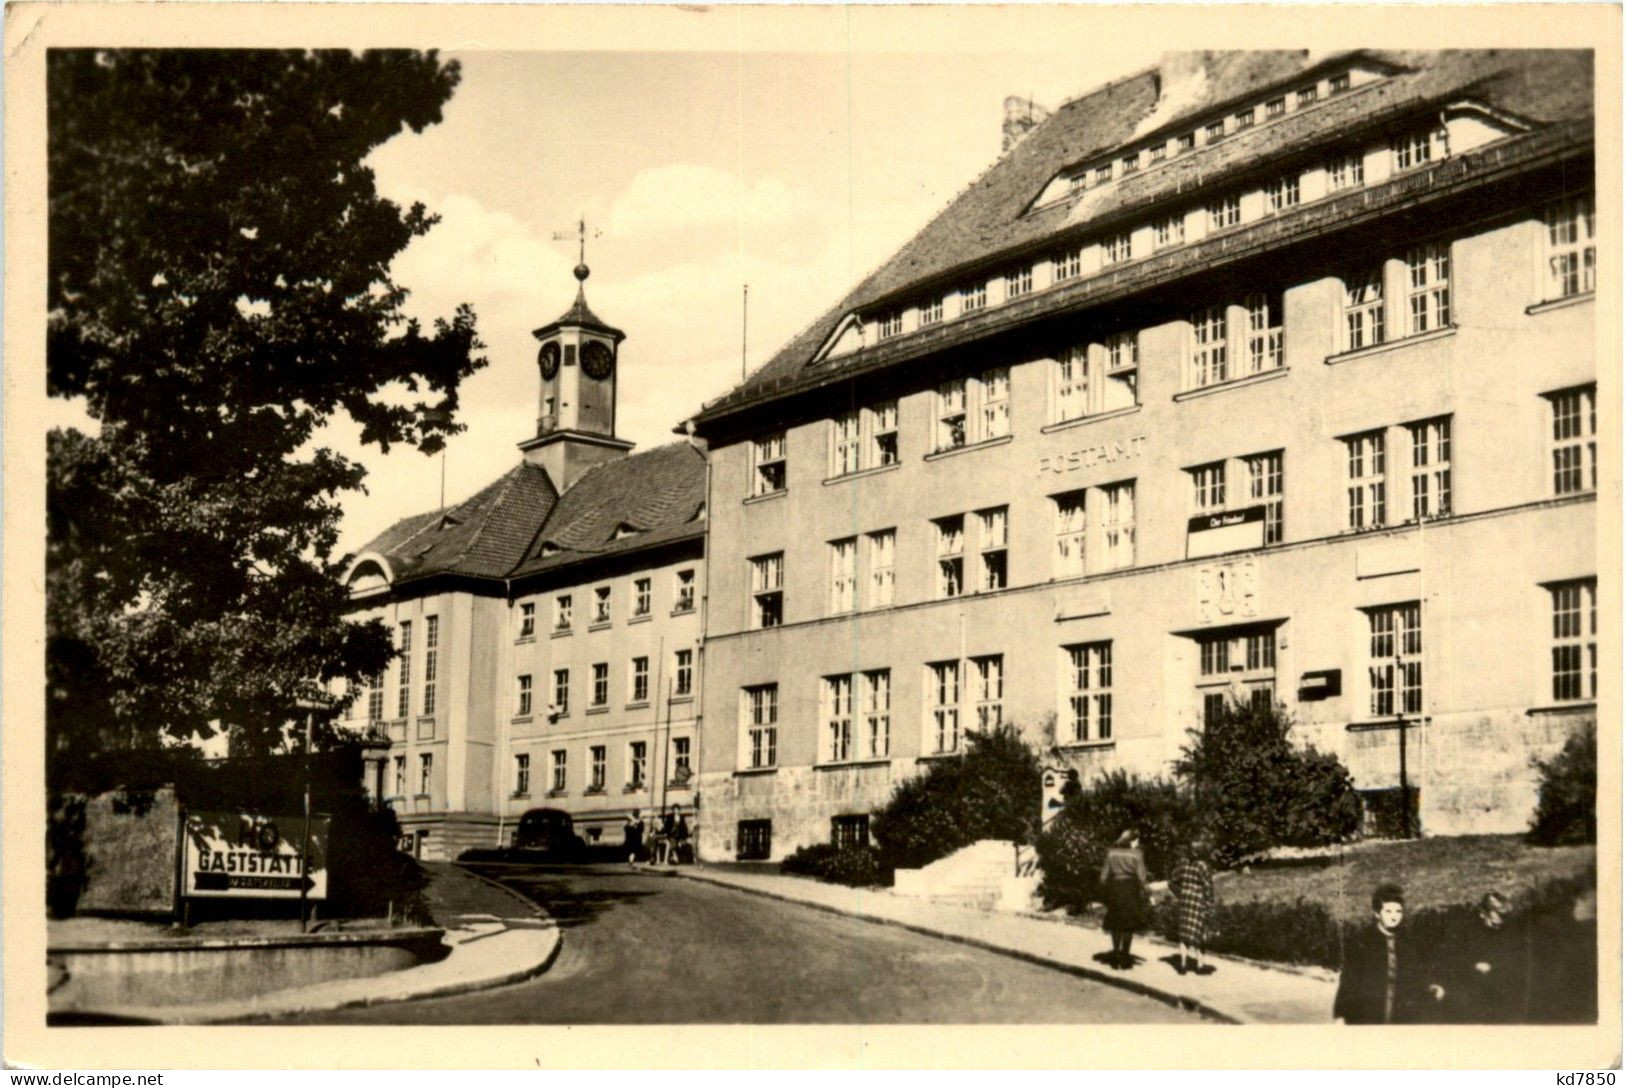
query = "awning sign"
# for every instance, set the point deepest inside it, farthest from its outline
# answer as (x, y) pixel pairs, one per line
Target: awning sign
(243, 855)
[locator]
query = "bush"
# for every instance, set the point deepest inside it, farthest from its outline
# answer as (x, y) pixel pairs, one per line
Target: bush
(1298, 932)
(990, 792)
(1073, 846)
(857, 866)
(1257, 791)
(1566, 811)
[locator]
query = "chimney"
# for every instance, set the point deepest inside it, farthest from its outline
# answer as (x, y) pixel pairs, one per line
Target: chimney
(1021, 116)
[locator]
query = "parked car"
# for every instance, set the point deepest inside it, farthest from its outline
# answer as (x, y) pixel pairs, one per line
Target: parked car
(548, 830)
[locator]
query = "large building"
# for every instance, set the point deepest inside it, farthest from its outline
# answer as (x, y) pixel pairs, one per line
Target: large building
(1262, 376)
(548, 627)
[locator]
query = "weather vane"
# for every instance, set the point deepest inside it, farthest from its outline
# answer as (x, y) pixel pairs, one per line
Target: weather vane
(580, 235)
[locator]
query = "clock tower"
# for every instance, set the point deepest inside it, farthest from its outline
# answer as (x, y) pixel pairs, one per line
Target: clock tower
(575, 427)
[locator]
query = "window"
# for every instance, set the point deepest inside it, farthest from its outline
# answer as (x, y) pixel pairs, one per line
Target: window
(527, 620)
(755, 840)
(1210, 362)
(1207, 488)
(1214, 132)
(1070, 529)
(1244, 119)
(882, 426)
(1159, 152)
(431, 661)
(682, 762)
(523, 708)
(931, 312)
(1118, 525)
(1345, 171)
(1116, 247)
(1574, 639)
(600, 768)
(400, 776)
(1574, 440)
(1368, 487)
(849, 832)
(1186, 142)
(1237, 662)
(600, 683)
(877, 713)
(1338, 83)
(1282, 193)
(561, 770)
(972, 298)
(375, 697)
(1571, 247)
(973, 409)
(1265, 339)
(843, 575)
(951, 430)
(600, 604)
(1429, 270)
(1072, 384)
(891, 324)
(637, 764)
(1396, 660)
(1418, 148)
(1275, 107)
(942, 698)
(639, 676)
(1018, 282)
(1068, 265)
(1095, 378)
(684, 591)
(562, 612)
(521, 775)
(837, 719)
(561, 692)
(994, 541)
(1130, 163)
(767, 465)
(1103, 173)
(425, 773)
(1307, 95)
(844, 444)
(1430, 468)
(950, 556)
(1362, 309)
(1264, 486)
(404, 701)
(1089, 703)
(643, 596)
(995, 390)
(761, 714)
(1169, 231)
(988, 673)
(882, 572)
(1223, 212)
(767, 589)
(683, 673)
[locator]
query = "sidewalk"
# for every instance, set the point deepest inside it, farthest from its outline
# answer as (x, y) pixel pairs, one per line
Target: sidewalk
(496, 937)
(1237, 992)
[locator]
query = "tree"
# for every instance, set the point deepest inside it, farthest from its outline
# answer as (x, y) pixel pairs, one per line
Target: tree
(1566, 810)
(219, 289)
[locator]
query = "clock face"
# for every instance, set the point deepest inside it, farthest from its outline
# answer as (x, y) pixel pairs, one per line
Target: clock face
(549, 358)
(596, 360)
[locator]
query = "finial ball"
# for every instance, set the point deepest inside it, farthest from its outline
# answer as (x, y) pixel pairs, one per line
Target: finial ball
(582, 272)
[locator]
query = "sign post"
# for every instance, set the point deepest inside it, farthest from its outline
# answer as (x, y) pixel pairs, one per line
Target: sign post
(309, 706)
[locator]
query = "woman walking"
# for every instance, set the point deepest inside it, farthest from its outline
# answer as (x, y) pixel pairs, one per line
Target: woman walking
(1123, 887)
(1192, 887)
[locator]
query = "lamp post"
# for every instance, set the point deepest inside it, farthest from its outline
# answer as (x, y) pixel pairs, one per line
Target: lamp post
(310, 707)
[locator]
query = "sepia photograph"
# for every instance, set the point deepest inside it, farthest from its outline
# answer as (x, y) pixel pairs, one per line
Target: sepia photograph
(709, 519)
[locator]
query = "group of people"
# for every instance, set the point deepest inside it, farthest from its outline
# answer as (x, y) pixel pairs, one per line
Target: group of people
(669, 843)
(1125, 889)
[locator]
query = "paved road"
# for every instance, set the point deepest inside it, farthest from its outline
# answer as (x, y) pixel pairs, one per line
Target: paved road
(642, 948)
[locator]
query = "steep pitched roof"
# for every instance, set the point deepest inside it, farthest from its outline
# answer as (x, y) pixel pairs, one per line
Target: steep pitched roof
(992, 219)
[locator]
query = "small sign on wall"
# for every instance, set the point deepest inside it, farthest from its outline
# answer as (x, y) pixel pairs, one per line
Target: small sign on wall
(1231, 531)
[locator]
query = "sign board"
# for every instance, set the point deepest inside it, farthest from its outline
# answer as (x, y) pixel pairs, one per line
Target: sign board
(1055, 781)
(1231, 531)
(242, 855)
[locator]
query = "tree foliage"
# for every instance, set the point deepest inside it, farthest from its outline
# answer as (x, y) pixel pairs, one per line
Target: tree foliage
(1566, 811)
(1073, 846)
(218, 289)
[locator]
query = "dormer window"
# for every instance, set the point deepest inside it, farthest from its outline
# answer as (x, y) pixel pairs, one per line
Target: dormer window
(1186, 142)
(1068, 265)
(931, 312)
(1244, 119)
(972, 299)
(1159, 152)
(1018, 282)
(1338, 83)
(1214, 131)
(1420, 147)
(1308, 94)
(891, 324)
(1130, 163)
(1275, 107)
(1115, 248)
(1103, 174)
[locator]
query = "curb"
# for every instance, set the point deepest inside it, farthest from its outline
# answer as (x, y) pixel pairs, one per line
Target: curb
(1179, 1001)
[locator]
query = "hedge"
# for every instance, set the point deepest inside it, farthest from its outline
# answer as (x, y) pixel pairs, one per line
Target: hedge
(857, 866)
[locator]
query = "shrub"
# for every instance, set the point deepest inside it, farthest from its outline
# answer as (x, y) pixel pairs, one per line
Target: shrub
(1073, 846)
(857, 866)
(990, 792)
(1566, 811)
(1257, 790)
(1298, 932)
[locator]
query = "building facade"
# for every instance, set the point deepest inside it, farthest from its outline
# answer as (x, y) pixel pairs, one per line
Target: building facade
(547, 628)
(1254, 376)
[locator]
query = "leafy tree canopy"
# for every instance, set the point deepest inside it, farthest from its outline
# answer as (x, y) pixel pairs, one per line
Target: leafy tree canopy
(218, 289)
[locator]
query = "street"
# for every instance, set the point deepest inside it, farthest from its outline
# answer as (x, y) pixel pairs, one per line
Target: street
(642, 948)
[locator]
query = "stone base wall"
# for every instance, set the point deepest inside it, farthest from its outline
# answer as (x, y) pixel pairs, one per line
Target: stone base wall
(442, 836)
(800, 801)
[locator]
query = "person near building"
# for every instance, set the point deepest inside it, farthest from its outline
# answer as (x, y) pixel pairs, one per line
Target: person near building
(1381, 981)
(682, 851)
(1192, 886)
(1124, 888)
(632, 832)
(1489, 978)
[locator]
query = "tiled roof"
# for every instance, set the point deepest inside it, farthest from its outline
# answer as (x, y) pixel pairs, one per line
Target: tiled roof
(645, 499)
(990, 220)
